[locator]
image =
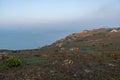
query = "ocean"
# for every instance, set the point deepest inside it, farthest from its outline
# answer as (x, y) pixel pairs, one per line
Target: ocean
(21, 39)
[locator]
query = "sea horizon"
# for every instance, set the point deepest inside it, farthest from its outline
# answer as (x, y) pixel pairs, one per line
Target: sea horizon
(22, 39)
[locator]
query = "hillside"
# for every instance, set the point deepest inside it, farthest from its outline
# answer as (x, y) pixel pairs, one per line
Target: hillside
(93, 40)
(87, 55)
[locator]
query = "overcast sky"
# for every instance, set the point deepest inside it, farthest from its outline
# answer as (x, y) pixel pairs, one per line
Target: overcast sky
(96, 13)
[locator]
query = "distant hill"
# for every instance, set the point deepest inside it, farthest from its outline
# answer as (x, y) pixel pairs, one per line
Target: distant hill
(94, 40)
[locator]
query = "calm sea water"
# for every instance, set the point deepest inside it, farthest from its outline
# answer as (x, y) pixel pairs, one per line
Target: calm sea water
(19, 39)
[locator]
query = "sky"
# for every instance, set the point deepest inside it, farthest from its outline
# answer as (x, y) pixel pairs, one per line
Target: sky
(27, 24)
(59, 13)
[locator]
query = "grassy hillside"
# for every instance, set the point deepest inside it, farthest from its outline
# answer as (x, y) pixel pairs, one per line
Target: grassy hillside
(100, 40)
(101, 60)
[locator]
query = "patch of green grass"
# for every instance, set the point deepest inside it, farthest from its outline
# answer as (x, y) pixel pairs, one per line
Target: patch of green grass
(34, 61)
(3, 66)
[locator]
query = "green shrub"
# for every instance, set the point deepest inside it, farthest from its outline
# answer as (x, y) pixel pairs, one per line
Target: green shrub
(14, 51)
(13, 62)
(37, 55)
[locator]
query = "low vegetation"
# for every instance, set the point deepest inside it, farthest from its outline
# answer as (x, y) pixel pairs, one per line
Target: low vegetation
(13, 62)
(101, 60)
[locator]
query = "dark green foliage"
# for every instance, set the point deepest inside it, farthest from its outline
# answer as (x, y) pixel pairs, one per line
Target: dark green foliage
(93, 45)
(56, 50)
(37, 55)
(14, 51)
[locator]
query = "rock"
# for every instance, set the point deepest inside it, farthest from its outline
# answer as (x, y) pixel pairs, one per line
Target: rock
(68, 61)
(87, 70)
(110, 64)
